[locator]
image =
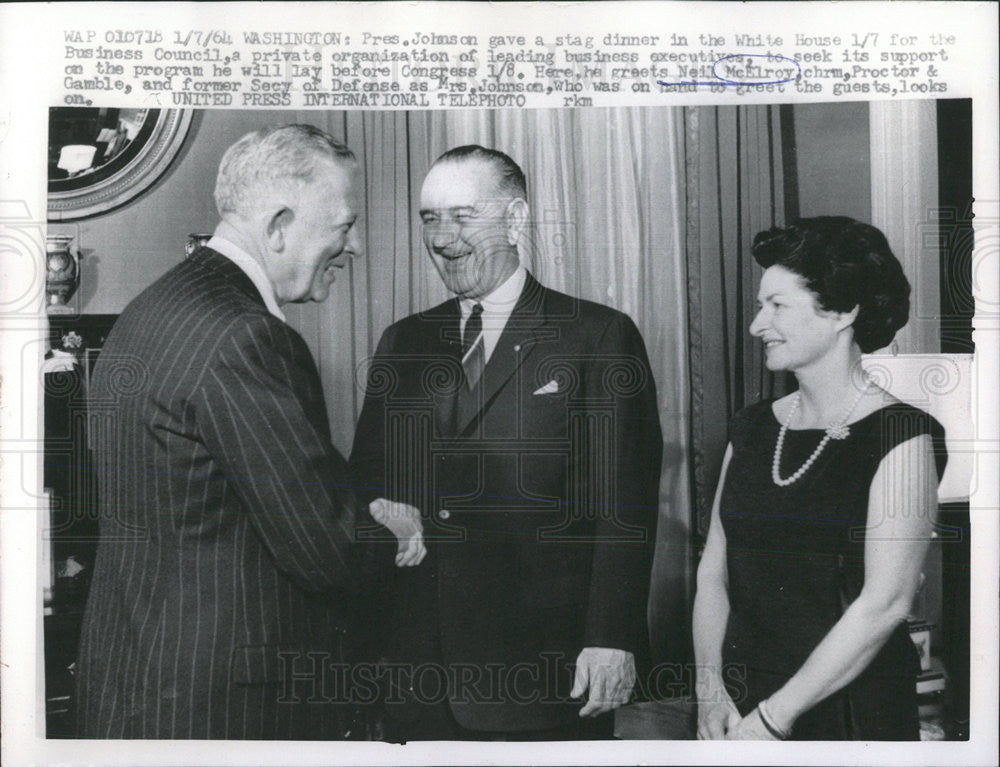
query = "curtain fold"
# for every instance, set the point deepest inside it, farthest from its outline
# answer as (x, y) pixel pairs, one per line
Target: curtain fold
(735, 185)
(904, 177)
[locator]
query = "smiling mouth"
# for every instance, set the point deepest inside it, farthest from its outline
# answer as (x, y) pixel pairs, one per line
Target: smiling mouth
(772, 344)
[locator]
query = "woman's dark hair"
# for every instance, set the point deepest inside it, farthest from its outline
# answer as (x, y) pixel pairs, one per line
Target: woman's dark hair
(846, 264)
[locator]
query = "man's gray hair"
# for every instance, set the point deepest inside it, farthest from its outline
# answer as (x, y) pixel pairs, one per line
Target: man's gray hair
(272, 157)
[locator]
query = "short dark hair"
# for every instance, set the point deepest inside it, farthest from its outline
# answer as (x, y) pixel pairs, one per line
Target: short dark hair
(509, 176)
(845, 263)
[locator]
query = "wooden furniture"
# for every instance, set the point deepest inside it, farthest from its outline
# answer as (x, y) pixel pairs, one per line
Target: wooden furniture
(71, 535)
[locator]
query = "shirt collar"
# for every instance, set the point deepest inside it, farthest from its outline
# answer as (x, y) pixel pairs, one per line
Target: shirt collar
(503, 298)
(252, 269)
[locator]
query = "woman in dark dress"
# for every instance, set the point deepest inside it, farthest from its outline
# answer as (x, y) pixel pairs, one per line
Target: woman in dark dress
(824, 511)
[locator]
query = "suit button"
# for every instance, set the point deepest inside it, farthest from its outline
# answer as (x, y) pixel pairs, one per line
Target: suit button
(444, 514)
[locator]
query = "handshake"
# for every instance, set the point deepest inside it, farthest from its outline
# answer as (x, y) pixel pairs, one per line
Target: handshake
(403, 521)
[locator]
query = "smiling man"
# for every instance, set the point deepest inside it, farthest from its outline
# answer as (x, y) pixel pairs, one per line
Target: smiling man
(227, 525)
(522, 423)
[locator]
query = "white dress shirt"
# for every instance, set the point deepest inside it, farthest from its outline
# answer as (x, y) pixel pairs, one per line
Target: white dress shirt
(252, 269)
(497, 308)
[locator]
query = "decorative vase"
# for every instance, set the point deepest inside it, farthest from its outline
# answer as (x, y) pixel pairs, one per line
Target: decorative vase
(195, 241)
(62, 272)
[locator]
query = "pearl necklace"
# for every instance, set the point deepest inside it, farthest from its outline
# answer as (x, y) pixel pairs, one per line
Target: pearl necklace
(836, 430)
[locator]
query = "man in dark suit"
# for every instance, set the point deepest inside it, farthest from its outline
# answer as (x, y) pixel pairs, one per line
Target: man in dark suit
(523, 424)
(226, 539)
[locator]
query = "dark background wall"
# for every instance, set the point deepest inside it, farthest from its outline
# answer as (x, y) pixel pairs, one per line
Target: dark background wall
(832, 158)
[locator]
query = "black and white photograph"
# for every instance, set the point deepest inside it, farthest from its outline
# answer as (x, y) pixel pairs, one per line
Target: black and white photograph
(516, 433)
(529, 425)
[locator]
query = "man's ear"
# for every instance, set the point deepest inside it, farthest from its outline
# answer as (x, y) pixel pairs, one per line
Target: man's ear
(277, 221)
(516, 217)
(846, 319)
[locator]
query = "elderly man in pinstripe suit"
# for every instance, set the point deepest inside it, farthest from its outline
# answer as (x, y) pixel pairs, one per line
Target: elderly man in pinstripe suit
(227, 535)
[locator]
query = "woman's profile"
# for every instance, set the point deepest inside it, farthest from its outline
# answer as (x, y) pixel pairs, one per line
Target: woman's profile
(824, 510)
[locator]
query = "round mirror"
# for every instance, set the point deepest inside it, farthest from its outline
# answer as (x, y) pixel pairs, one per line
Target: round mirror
(100, 158)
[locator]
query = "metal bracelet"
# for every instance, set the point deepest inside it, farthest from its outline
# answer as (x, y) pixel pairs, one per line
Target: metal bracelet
(772, 728)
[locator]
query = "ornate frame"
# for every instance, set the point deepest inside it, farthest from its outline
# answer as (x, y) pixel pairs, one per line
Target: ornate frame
(124, 184)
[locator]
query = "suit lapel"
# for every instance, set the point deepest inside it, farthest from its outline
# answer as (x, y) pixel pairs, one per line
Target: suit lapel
(446, 346)
(515, 345)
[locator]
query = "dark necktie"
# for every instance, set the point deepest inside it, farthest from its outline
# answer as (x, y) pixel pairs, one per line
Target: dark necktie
(473, 347)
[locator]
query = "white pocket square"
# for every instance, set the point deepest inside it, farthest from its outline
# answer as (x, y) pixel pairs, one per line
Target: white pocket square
(550, 388)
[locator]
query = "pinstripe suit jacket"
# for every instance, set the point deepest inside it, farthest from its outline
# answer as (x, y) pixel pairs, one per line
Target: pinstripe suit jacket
(227, 524)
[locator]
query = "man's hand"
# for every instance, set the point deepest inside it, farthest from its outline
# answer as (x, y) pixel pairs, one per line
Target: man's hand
(404, 522)
(610, 676)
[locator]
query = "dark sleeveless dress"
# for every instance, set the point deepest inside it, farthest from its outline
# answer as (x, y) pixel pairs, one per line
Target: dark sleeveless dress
(796, 559)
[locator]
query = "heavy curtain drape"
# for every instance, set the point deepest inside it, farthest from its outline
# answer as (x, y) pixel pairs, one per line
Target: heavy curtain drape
(904, 178)
(736, 161)
(607, 199)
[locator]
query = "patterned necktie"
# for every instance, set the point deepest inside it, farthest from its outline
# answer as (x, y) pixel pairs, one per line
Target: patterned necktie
(473, 351)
